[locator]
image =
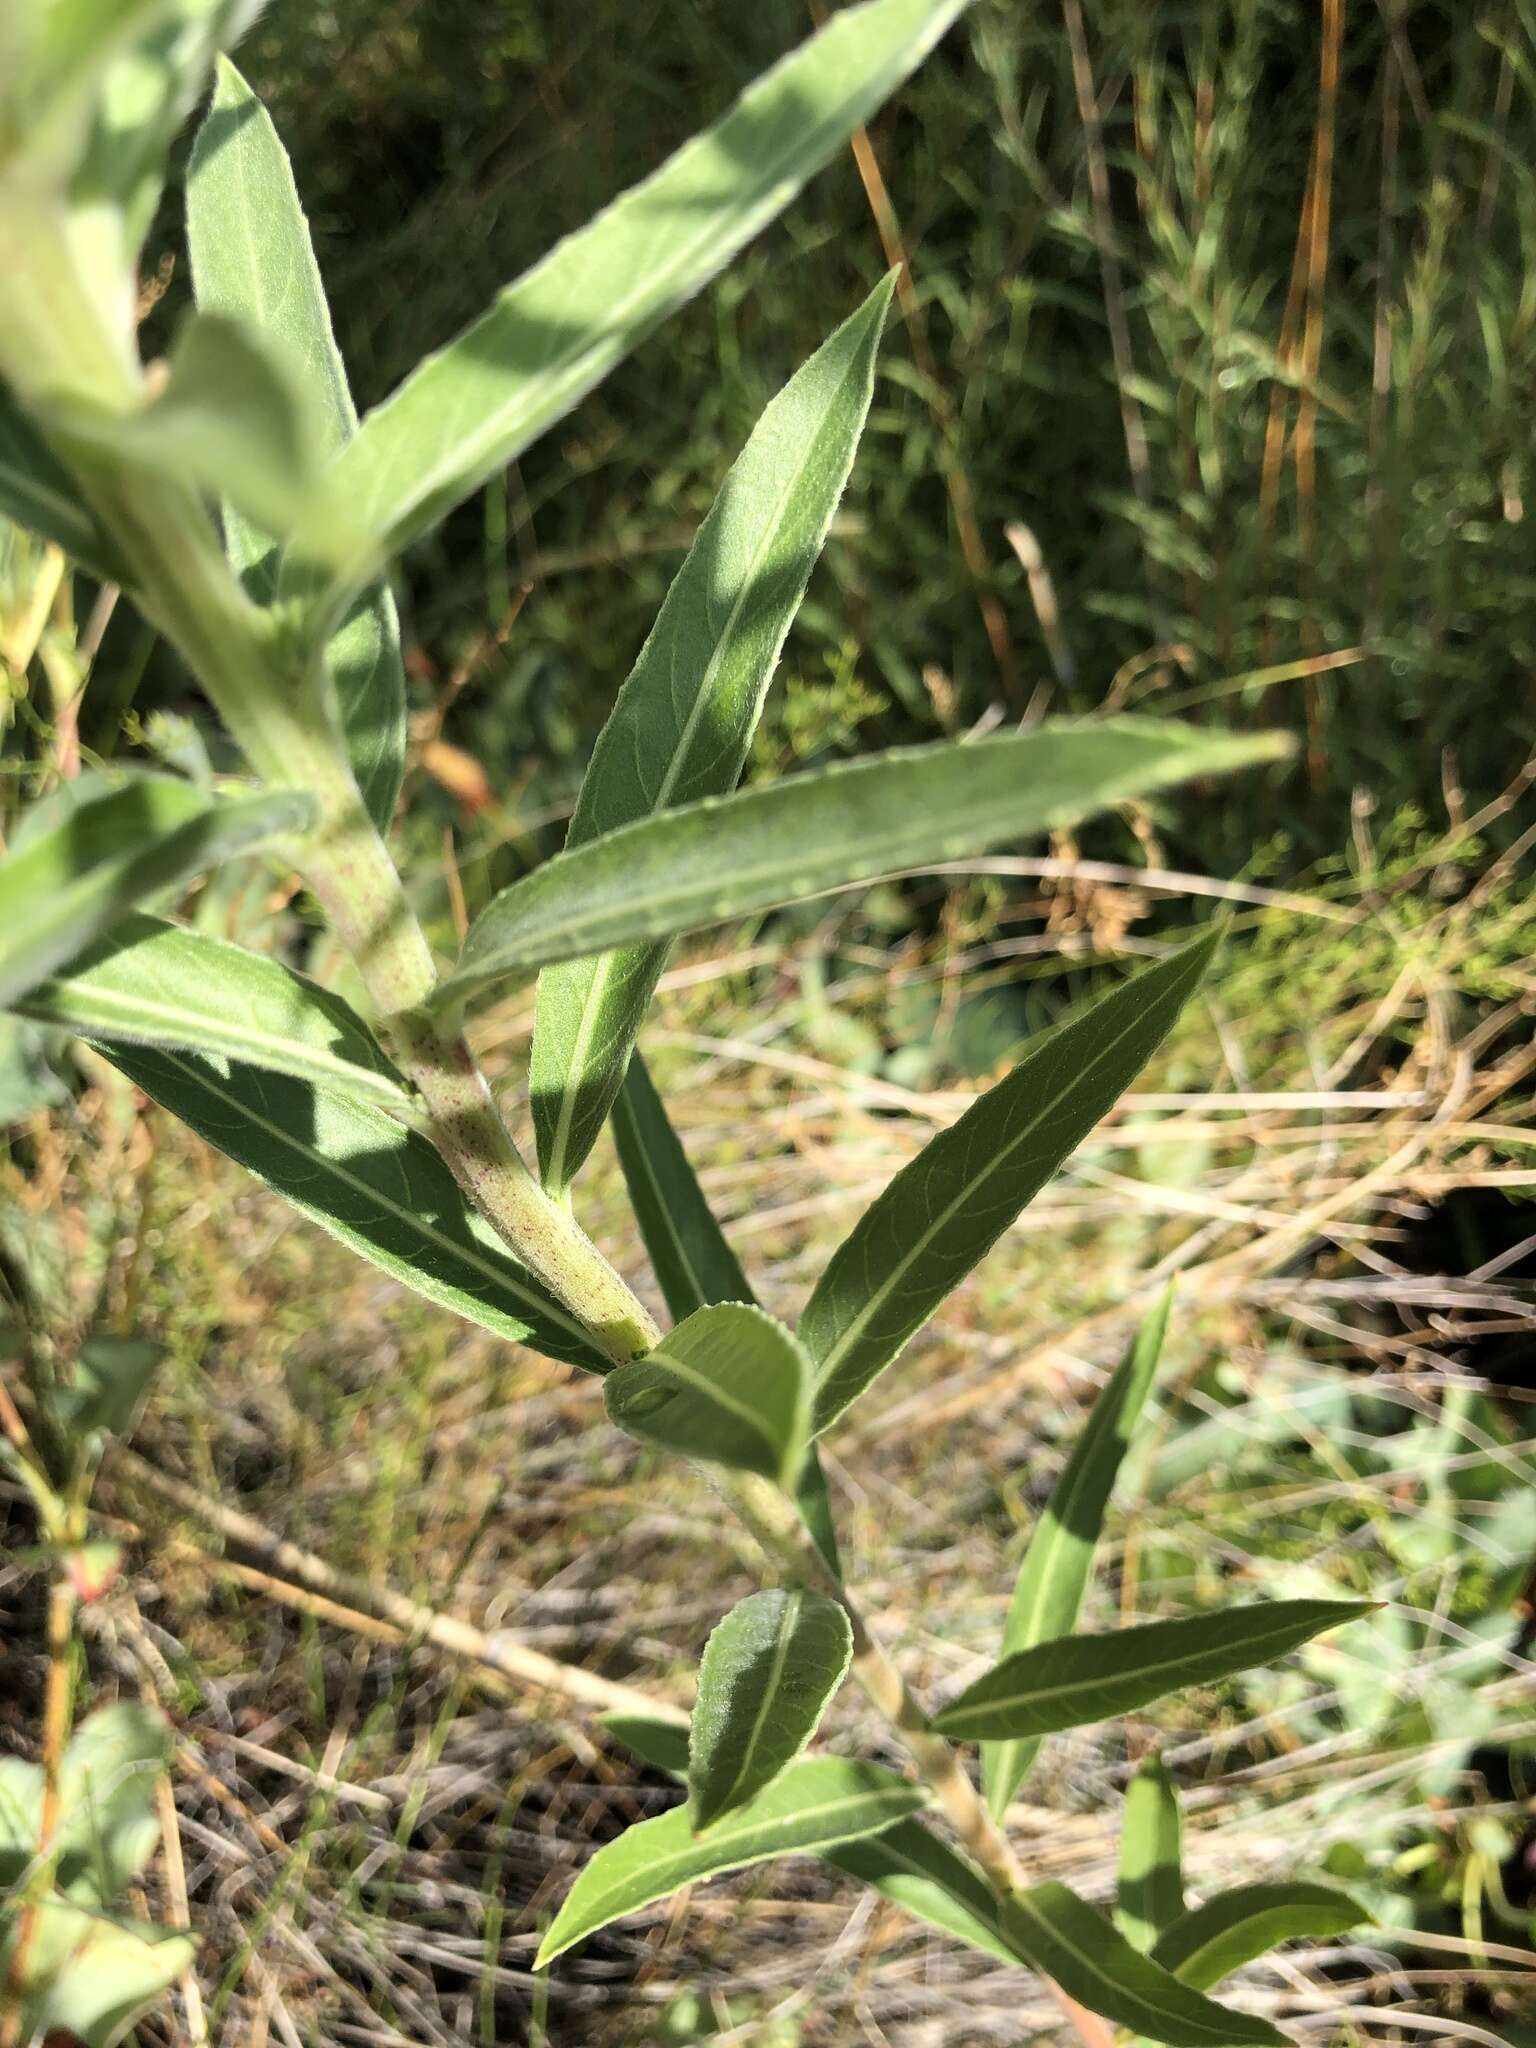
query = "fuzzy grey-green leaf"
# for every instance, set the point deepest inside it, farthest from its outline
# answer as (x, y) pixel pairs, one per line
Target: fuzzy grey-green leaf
(39, 493)
(726, 857)
(71, 884)
(945, 1210)
(1235, 1928)
(684, 719)
(813, 1805)
(380, 1188)
(149, 982)
(728, 1385)
(1150, 1885)
(768, 1672)
(1064, 1938)
(557, 331)
(1053, 1577)
(1076, 1680)
(252, 258)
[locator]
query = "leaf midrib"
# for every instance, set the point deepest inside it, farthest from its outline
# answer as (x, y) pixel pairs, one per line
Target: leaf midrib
(1023, 1905)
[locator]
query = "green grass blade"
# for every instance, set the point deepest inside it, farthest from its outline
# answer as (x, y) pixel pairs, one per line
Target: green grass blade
(813, 1805)
(1062, 1936)
(728, 1385)
(71, 884)
(684, 719)
(1048, 1593)
(252, 259)
(945, 1210)
(1150, 1893)
(557, 331)
(768, 1673)
(153, 983)
(1237, 1927)
(1080, 1679)
(727, 857)
(379, 1188)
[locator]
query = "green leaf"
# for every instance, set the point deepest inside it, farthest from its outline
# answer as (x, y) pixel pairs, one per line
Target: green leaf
(110, 1379)
(684, 720)
(72, 883)
(905, 1863)
(1076, 1680)
(1237, 1927)
(1151, 1882)
(39, 493)
(153, 983)
(550, 337)
(688, 1250)
(730, 856)
(1064, 1938)
(912, 1867)
(382, 1189)
(1053, 1577)
(768, 1673)
(728, 1385)
(252, 258)
(945, 1210)
(815, 1804)
(89, 1976)
(231, 420)
(109, 1821)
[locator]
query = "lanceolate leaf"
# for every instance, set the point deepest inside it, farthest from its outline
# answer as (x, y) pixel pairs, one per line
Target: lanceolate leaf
(688, 1250)
(726, 857)
(252, 259)
(153, 983)
(729, 1385)
(39, 493)
(1151, 1885)
(380, 1188)
(469, 410)
(1079, 1679)
(906, 1863)
(684, 720)
(73, 883)
(768, 1672)
(813, 1805)
(945, 1211)
(1065, 1938)
(1237, 1927)
(1054, 1575)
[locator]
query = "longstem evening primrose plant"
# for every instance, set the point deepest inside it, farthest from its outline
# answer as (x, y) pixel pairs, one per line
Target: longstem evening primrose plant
(232, 492)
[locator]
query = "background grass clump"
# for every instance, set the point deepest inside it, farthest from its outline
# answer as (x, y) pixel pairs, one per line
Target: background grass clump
(1213, 393)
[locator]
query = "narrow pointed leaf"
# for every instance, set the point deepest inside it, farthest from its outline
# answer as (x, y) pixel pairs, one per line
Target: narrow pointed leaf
(906, 1863)
(727, 857)
(1151, 1882)
(943, 1213)
(382, 1189)
(1080, 1679)
(37, 492)
(1064, 1938)
(153, 983)
(555, 333)
(71, 884)
(769, 1670)
(728, 1385)
(688, 1250)
(1235, 1928)
(252, 259)
(815, 1804)
(684, 720)
(1053, 1577)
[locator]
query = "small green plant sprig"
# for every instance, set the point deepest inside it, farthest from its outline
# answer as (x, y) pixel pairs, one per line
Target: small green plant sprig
(233, 493)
